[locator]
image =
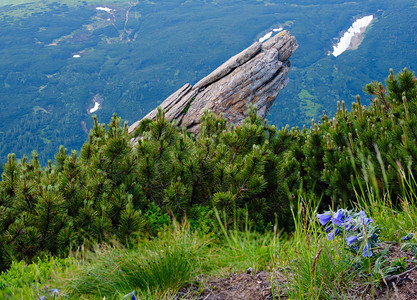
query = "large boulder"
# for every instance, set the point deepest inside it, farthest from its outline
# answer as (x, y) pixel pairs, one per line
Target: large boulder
(256, 75)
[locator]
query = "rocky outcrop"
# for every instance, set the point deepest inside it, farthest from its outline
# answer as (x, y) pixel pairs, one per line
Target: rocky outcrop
(256, 75)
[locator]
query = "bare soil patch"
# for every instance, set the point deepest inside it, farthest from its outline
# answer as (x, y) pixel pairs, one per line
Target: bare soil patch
(258, 286)
(404, 285)
(235, 286)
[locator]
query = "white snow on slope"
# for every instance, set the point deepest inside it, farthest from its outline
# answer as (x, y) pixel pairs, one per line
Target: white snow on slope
(346, 39)
(109, 10)
(95, 108)
(269, 34)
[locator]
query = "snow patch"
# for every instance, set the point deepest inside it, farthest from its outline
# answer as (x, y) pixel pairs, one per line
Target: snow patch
(109, 10)
(95, 108)
(265, 37)
(269, 34)
(357, 27)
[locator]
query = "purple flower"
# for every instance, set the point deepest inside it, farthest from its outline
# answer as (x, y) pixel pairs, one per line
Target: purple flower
(367, 252)
(324, 217)
(361, 214)
(348, 223)
(328, 228)
(50, 293)
(349, 226)
(355, 267)
(130, 296)
(367, 220)
(351, 239)
(339, 217)
(333, 233)
(407, 237)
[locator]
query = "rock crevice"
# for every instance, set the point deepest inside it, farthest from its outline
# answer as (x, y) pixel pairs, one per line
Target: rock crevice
(256, 75)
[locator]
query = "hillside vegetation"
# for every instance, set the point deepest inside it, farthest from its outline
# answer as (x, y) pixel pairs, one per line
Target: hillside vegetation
(59, 58)
(115, 192)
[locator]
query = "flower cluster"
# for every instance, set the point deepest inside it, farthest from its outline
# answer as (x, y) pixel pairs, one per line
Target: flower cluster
(408, 237)
(410, 243)
(50, 294)
(357, 228)
(130, 296)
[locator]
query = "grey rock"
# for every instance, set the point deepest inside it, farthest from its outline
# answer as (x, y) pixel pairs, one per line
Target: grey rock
(229, 66)
(256, 75)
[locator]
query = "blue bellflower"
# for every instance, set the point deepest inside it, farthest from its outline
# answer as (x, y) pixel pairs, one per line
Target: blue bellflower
(130, 296)
(348, 223)
(351, 239)
(367, 252)
(324, 217)
(327, 229)
(407, 237)
(367, 220)
(333, 233)
(361, 214)
(339, 218)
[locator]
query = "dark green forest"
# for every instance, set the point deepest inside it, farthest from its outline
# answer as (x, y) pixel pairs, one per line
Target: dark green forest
(115, 190)
(134, 57)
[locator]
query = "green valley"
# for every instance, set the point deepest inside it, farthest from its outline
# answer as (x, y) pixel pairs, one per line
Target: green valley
(58, 59)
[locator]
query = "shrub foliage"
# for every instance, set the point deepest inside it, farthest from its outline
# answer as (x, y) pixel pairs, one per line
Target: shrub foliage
(105, 192)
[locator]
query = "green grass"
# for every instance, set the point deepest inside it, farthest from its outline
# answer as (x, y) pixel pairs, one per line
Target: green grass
(24, 281)
(396, 222)
(314, 267)
(243, 249)
(158, 267)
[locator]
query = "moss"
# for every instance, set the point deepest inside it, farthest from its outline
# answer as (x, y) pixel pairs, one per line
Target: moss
(187, 107)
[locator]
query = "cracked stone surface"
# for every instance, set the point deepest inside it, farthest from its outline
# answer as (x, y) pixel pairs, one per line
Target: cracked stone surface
(256, 75)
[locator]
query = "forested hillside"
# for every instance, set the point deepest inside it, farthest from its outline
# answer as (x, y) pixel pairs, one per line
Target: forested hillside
(59, 60)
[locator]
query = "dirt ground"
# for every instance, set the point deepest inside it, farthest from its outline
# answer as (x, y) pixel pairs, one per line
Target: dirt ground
(403, 286)
(257, 286)
(235, 286)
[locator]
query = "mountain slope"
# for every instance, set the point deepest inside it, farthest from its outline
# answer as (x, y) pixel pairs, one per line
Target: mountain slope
(135, 55)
